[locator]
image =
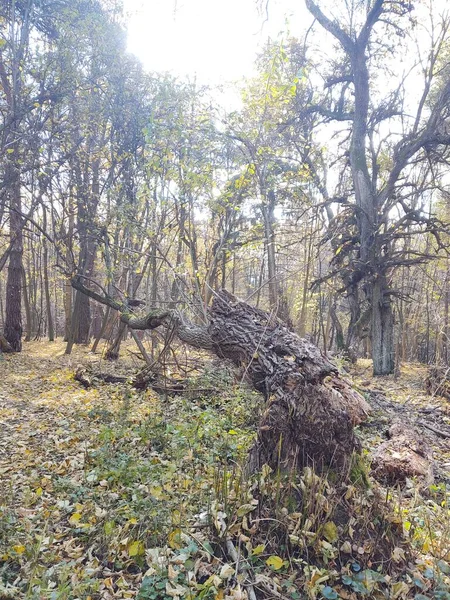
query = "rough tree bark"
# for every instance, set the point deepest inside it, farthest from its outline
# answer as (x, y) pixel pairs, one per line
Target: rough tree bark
(13, 322)
(310, 409)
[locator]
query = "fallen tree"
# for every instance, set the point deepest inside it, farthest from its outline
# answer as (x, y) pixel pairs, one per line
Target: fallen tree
(310, 409)
(88, 377)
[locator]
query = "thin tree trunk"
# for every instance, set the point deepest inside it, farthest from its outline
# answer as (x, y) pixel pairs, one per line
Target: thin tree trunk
(269, 232)
(68, 290)
(112, 352)
(48, 302)
(26, 302)
(304, 308)
(13, 320)
(102, 330)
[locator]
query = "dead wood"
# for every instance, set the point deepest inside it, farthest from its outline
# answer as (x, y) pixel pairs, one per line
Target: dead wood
(437, 382)
(438, 432)
(404, 455)
(310, 409)
(5, 346)
(142, 380)
(150, 377)
(89, 378)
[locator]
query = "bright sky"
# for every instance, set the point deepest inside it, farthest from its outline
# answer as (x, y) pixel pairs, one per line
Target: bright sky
(214, 40)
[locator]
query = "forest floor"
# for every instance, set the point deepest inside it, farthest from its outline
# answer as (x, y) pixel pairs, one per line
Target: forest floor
(108, 492)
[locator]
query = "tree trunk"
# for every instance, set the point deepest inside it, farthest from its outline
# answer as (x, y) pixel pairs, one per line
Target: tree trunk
(26, 301)
(68, 292)
(48, 302)
(310, 410)
(112, 353)
(367, 199)
(382, 329)
(13, 320)
(81, 319)
(269, 233)
(5, 346)
(102, 330)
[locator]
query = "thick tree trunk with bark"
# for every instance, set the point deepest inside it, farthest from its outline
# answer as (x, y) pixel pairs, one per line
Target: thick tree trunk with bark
(310, 410)
(382, 329)
(367, 198)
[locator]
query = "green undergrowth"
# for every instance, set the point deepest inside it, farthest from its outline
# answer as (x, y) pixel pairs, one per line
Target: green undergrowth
(118, 476)
(131, 495)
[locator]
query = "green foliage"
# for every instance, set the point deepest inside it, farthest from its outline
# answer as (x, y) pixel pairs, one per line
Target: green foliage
(359, 472)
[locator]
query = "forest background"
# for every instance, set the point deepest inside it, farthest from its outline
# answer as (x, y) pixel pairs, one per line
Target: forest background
(322, 198)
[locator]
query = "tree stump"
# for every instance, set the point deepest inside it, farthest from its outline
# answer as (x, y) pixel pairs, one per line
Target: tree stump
(310, 409)
(5, 346)
(404, 455)
(437, 382)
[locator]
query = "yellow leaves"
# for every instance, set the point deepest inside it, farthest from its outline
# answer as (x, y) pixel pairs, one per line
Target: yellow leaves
(226, 571)
(136, 548)
(109, 527)
(276, 562)
(398, 555)
(156, 491)
(75, 518)
(125, 475)
(330, 531)
(175, 590)
(72, 549)
(245, 509)
(317, 577)
(258, 550)
(174, 539)
(399, 590)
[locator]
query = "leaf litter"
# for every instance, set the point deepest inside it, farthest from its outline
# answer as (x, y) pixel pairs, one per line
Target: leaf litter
(111, 493)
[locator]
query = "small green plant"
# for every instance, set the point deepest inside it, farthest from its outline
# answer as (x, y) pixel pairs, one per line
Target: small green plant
(359, 472)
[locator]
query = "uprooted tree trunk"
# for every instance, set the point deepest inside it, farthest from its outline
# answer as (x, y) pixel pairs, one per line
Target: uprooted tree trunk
(310, 409)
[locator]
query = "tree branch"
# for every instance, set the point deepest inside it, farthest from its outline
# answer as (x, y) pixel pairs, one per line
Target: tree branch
(331, 26)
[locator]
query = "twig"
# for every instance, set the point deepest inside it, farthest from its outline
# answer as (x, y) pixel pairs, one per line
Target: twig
(235, 556)
(141, 347)
(266, 587)
(438, 432)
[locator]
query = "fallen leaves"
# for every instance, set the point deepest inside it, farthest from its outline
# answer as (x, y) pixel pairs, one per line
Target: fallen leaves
(275, 562)
(109, 494)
